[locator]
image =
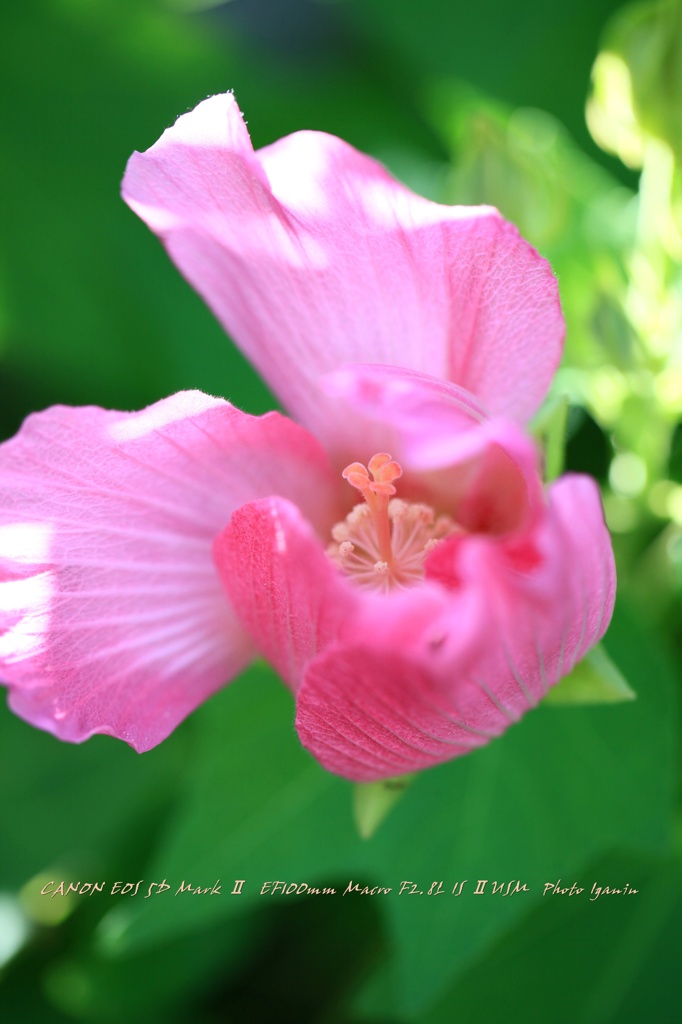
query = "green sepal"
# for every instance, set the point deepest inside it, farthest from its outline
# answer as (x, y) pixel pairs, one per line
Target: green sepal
(594, 680)
(372, 802)
(549, 428)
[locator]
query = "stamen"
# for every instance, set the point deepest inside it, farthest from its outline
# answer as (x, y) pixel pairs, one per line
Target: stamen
(383, 542)
(376, 493)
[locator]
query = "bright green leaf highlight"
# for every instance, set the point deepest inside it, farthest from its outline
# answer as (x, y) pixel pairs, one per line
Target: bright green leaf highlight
(594, 680)
(372, 802)
(638, 81)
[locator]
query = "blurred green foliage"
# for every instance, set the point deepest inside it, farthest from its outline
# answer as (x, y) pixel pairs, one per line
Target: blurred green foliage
(478, 103)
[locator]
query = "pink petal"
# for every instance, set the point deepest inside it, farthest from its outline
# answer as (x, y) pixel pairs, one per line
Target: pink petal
(370, 714)
(112, 616)
(421, 419)
(550, 594)
(369, 709)
(484, 472)
(500, 488)
(312, 256)
(290, 597)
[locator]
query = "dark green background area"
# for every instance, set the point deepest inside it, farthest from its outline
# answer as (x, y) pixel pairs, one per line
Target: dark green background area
(92, 312)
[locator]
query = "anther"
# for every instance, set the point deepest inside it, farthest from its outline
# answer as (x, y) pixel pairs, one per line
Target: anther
(383, 469)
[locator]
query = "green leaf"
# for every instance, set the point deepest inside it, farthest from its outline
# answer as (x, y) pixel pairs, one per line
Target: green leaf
(623, 948)
(372, 802)
(257, 807)
(170, 983)
(594, 680)
(110, 790)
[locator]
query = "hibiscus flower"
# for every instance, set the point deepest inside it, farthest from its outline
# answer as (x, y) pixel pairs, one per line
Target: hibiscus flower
(393, 553)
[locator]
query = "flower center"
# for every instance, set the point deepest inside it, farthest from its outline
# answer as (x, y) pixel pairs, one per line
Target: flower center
(383, 543)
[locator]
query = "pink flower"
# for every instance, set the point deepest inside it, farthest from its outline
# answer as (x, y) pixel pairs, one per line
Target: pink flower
(146, 558)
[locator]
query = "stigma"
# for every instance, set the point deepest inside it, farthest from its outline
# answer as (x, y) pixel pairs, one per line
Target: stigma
(384, 541)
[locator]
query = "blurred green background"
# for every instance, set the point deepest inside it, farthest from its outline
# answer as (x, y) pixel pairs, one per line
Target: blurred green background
(481, 102)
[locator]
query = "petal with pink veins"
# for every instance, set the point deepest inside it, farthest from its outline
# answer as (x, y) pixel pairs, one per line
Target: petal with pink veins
(369, 714)
(522, 613)
(112, 616)
(312, 256)
(290, 597)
